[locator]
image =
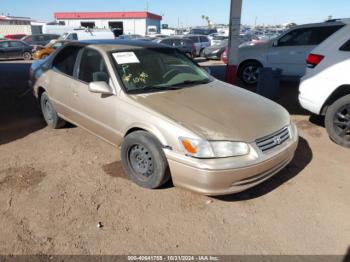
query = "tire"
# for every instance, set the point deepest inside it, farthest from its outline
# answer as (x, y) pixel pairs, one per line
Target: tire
(249, 72)
(50, 115)
(144, 161)
(337, 121)
(27, 56)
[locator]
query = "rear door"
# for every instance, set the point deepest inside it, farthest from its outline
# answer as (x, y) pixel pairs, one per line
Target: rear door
(97, 112)
(60, 79)
(289, 52)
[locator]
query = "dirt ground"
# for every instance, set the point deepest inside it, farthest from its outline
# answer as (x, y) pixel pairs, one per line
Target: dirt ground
(57, 185)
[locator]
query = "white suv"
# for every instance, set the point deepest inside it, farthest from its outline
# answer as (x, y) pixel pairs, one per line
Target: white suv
(287, 52)
(325, 89)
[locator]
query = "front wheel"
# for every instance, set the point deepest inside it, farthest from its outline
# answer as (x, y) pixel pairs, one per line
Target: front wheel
(337, 121)
(27, 56)
(144, 161)
(249, 72)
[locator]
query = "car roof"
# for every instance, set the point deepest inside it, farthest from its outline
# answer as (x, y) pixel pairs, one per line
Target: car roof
(195, 35)
(327, 23)
(118, 45)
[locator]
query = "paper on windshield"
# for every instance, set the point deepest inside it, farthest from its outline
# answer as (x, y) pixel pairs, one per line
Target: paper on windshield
(126, 58)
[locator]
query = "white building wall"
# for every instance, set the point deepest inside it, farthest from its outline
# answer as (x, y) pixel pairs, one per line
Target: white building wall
(131, 26)
(6, 29)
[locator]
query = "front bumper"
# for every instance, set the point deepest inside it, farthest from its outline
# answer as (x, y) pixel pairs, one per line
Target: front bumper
(214, 181)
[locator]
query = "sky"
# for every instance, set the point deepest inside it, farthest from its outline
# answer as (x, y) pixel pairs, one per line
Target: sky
(189, 12)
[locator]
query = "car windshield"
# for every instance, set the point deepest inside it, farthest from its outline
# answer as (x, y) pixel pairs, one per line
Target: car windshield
(157, 69)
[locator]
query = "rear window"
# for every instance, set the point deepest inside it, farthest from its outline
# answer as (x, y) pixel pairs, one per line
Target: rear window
(346, 46)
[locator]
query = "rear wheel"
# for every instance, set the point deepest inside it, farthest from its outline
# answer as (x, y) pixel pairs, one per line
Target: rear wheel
(249, 72)
(337, 121)
(27, 56)
(144, 161)
(50, 115)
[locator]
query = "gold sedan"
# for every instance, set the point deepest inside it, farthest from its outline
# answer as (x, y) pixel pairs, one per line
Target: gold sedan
(168, 117)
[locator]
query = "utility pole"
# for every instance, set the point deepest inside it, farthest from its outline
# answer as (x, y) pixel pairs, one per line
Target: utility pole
(235, 26)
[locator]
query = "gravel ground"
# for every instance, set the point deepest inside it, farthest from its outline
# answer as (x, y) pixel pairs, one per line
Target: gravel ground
(57, 185)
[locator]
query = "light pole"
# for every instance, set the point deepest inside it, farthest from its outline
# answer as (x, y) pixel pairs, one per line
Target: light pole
(235, 25)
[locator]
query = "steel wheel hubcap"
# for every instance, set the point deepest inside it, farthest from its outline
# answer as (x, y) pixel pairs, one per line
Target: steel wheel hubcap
(141, 161)
(341, 122)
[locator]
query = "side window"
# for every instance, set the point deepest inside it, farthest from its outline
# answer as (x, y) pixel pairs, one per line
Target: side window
(65, 60)
(36, 38)
(166, 42)
(194, 39)
(322, 33)
(72, 36)
(296, 37)
(204, 39)
(176, 42)
(41, 38)
(346, 47)
(4, 44)
(29, 39)
(308, 36)
(16, 44)
(92, 67)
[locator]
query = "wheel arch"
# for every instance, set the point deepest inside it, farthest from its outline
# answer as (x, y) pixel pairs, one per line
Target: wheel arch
(337, 93)
(149, 129)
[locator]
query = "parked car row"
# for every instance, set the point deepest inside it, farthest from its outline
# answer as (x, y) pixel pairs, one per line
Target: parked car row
(319, 54)
(287, 52)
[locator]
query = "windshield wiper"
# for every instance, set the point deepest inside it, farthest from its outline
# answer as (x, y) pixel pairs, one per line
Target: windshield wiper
(169, 87)
(190, 82)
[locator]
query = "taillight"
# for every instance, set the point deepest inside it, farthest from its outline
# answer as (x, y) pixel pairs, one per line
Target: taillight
(224, 54)
(313, 60)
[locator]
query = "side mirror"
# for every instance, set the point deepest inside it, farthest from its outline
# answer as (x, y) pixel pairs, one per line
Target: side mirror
(100, 87)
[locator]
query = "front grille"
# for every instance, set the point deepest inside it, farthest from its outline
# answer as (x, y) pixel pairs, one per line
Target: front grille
(269, 142)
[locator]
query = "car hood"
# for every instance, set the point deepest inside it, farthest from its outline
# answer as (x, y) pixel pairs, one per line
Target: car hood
(213, 48)
(218, 111)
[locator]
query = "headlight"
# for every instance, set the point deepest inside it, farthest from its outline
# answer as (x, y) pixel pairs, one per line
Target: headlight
(213, 149)
(215, 51)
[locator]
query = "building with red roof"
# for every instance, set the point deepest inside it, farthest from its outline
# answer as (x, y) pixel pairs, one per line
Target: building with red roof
(140, 23)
